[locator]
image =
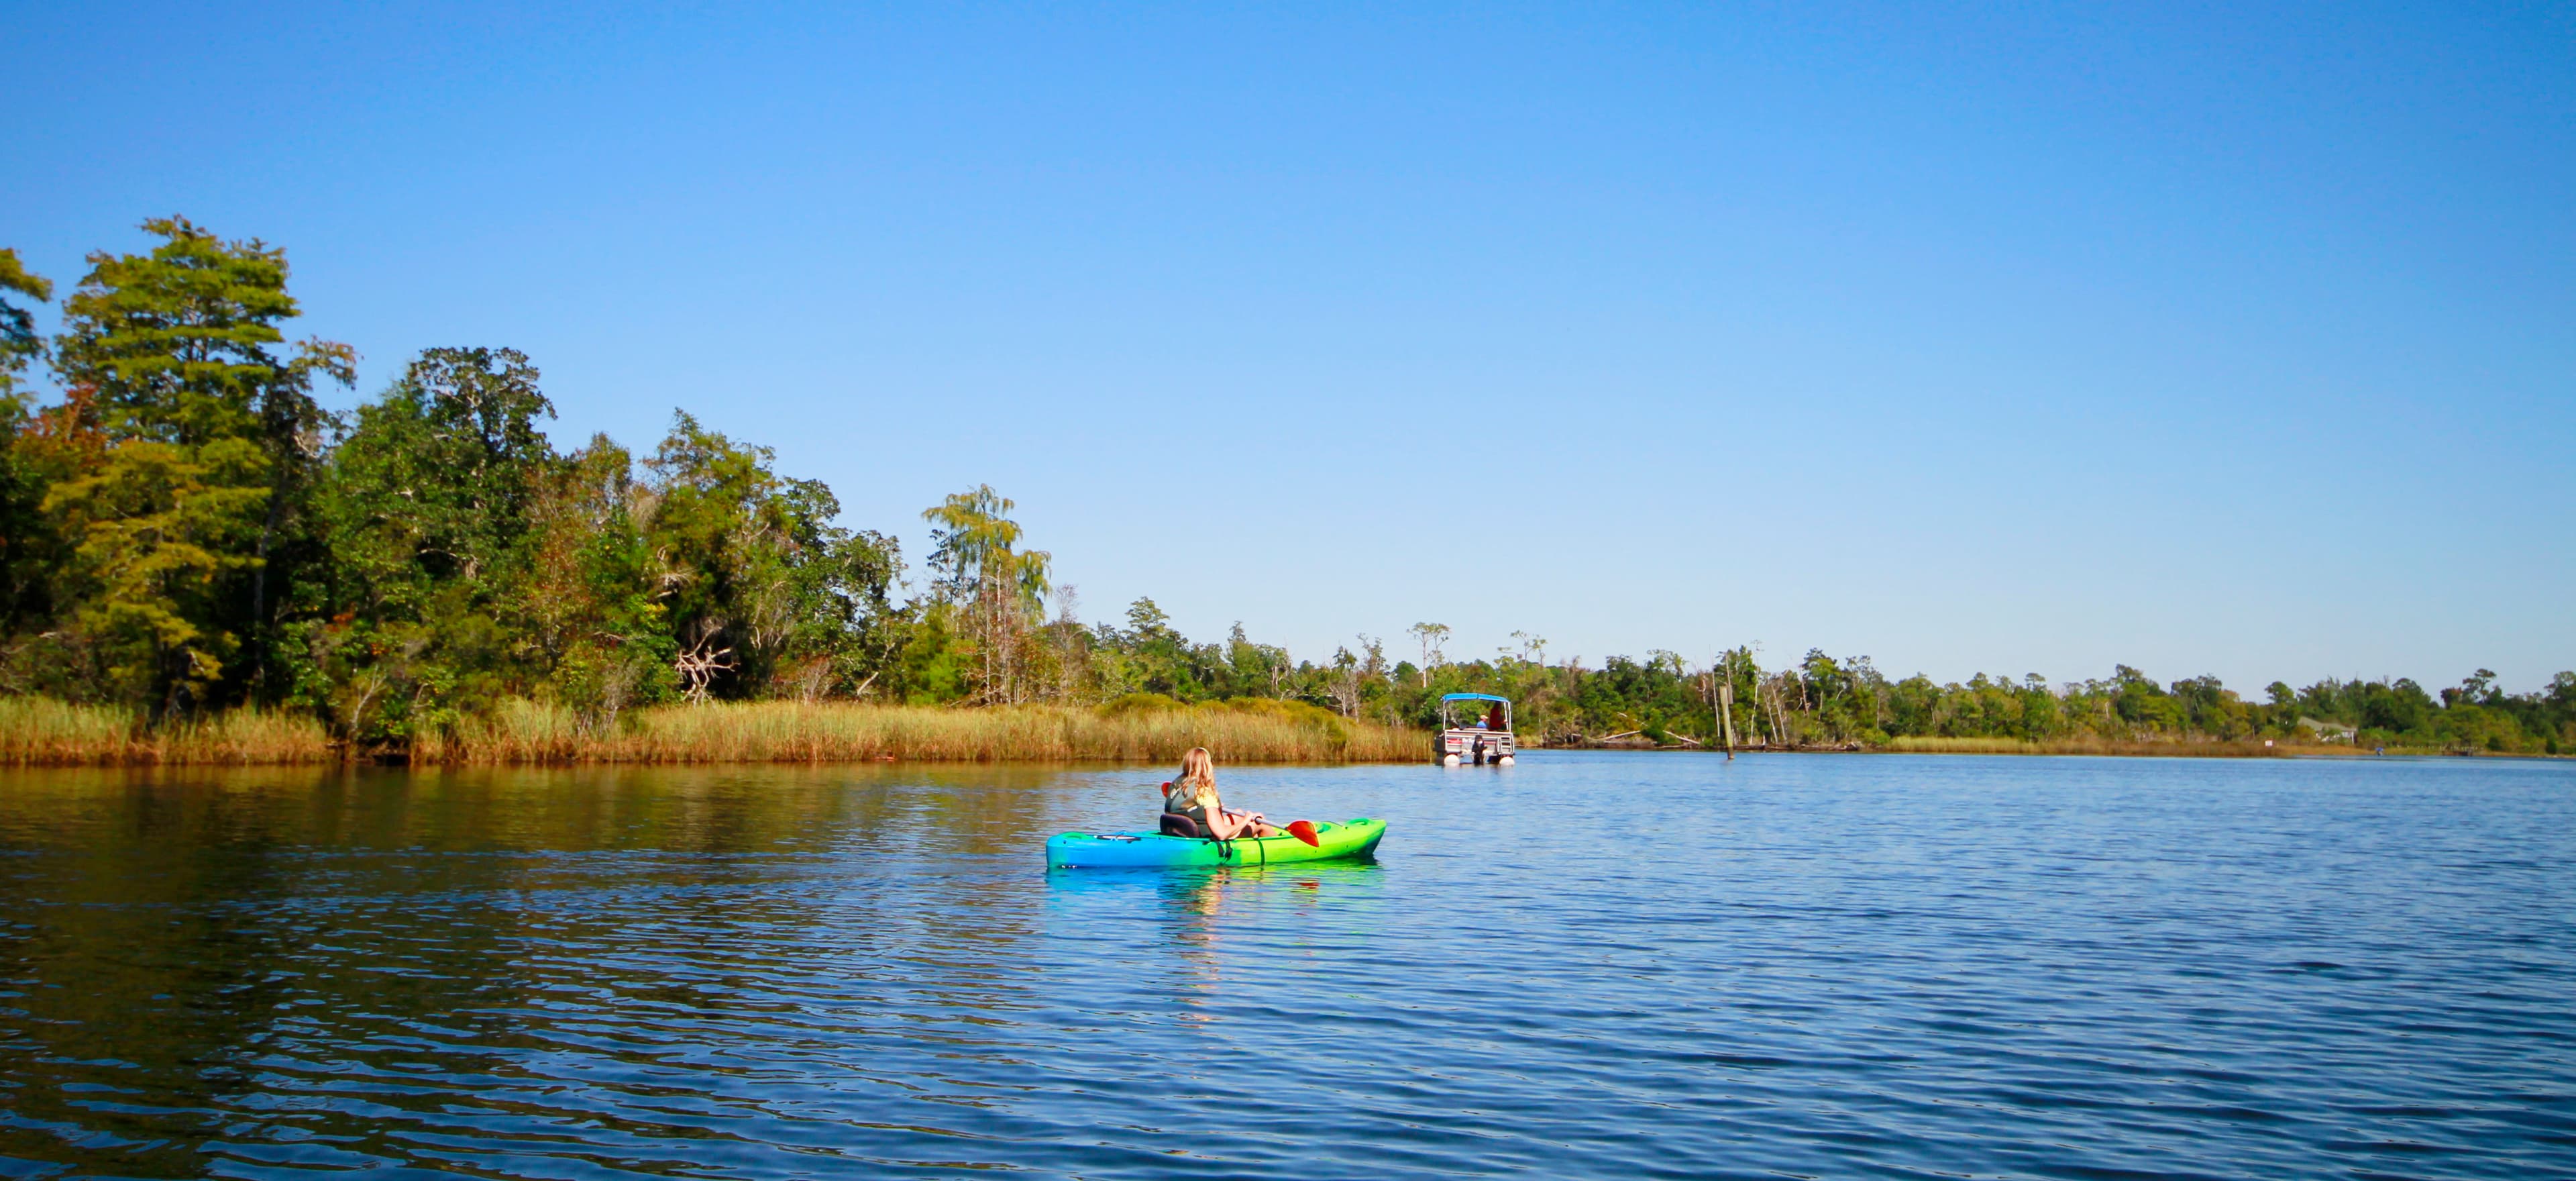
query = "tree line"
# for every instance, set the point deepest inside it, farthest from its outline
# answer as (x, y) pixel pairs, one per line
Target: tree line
(1823, 701)
(184, 528)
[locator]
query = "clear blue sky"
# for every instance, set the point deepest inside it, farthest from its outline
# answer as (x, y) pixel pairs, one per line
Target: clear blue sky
(2203, 339)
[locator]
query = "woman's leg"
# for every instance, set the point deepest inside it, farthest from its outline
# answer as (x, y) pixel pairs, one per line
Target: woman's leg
(1251, 824)
(1258, 825)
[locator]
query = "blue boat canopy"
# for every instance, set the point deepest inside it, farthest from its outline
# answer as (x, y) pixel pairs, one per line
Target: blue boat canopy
(1474, 697)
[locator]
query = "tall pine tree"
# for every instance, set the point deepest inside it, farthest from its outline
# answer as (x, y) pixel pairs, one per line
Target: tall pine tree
(212, 438)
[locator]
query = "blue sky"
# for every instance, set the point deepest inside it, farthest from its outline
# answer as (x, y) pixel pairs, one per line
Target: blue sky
(2202, 339)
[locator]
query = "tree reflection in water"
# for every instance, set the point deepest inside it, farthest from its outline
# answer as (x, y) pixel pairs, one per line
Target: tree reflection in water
(356, 967)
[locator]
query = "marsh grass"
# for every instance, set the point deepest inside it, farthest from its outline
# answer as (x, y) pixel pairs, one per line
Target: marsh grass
(787, 731)
(36, 731)
(40, 731)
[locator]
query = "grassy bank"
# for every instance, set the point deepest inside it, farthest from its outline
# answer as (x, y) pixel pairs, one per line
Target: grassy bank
(36, 731)
(39, 732)
(783, 731)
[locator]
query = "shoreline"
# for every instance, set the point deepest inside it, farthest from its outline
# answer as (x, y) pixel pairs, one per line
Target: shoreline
(40, 732)
(2083, 747)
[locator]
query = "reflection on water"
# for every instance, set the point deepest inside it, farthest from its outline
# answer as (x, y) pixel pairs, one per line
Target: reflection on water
(1854, 966)
(1198, 913)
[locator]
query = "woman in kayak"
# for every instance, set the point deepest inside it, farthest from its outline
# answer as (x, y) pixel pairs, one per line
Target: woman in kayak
(1193, 794)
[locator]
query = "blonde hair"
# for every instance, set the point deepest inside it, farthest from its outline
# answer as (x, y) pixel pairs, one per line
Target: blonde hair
(1198, 776)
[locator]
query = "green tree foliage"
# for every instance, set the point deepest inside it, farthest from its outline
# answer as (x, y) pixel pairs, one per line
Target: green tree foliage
(759, 585)
(184, 527)
(1823, 701)
(186, 520)
(427, 506)
(161, 528)
(175, 355)
(472, 565)
(1149, 656)
(19, 344)
(594, 596)
(22, 478)
(989, 592)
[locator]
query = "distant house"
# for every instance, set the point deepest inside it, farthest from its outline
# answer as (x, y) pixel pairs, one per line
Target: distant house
(2328, 731)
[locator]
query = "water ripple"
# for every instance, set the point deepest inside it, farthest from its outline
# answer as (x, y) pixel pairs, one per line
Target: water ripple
(1873, 967)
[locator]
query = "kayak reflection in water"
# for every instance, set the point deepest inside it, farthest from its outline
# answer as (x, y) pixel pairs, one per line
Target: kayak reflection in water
(1193, 794)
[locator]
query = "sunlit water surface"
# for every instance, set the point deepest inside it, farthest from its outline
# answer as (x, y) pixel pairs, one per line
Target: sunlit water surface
(1589, 965)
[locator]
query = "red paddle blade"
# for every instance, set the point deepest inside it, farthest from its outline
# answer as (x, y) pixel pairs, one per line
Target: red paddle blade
(1304, 830)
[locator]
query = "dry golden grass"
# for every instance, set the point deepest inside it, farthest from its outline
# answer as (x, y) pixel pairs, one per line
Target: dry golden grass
(786, 731)
(37, 731)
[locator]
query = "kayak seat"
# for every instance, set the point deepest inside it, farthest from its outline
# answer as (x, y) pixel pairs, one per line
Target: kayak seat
(1177, 825)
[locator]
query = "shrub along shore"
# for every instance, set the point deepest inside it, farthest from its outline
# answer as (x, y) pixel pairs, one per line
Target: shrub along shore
(42, 732)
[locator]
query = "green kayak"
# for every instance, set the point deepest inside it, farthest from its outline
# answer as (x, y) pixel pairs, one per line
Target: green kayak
(1347, 840)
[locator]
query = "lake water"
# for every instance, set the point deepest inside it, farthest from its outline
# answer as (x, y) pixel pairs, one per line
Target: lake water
(1589, 965)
